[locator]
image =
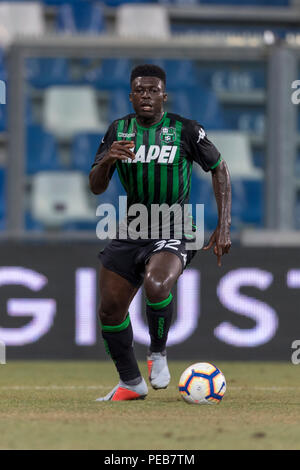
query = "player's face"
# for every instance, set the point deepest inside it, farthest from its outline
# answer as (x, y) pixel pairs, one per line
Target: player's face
(148, 97)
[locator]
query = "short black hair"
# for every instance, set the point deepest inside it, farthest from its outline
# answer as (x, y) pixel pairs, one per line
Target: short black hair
(148, 70)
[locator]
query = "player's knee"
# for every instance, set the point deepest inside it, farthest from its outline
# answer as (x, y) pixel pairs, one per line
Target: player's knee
(111, 314)
(103, 316)
(156, 289)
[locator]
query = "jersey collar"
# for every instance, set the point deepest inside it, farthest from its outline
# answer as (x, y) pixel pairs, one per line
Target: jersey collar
(153, 126)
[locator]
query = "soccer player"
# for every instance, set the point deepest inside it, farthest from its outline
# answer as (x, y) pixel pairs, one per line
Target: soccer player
(153, 152)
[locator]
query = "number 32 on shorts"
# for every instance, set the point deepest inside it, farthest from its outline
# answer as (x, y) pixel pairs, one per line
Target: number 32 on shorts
(167, 244)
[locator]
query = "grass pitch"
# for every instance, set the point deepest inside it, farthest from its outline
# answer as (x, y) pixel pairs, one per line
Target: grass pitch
(50, 405)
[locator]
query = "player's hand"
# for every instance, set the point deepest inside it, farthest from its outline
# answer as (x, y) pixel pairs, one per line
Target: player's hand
(220, 240)
(120, 150)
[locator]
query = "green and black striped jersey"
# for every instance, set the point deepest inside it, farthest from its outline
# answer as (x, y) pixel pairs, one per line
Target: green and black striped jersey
(164, 155)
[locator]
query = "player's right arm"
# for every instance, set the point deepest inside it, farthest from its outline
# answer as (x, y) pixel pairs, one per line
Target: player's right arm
(109, 151)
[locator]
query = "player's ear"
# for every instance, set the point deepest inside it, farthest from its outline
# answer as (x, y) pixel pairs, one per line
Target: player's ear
(130, 96)
(165, 97)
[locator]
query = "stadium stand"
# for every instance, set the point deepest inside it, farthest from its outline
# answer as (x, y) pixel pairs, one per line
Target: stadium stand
(3, 118)
(81, 97)
(114, 190)
(81, 17)
(107, 74)
(60, 197)
(233, 77)
(235, 148)
(207, 109)
(142, 21)
(246, 179)
(83, 150)
(44, 72)
(18, 18)
(2, 198)
(3, 71)
(244, 117)
(119, 104)
(41, 151)
(71, 109)
(181, 74)
(247, 201)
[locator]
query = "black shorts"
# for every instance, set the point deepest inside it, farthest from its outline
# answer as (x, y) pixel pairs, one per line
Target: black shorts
(128, 258)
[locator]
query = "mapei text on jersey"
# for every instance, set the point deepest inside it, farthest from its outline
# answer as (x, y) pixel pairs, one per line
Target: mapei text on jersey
(164, 154)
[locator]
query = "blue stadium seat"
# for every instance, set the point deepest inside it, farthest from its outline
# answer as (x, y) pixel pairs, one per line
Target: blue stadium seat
(247, 202)
(72, 226)
(3, 70)
(81, 17)
(180, 73)
(30, 117)
(2, 199)
(44, 72)
(231, 77)
(244, 118)
(31, 223)
(83, 151)
(202, 193)
(199, 104)
(110, 196)
(108, 73)
(3, 118)
(119, 104)
(112, 193)
(41, 151)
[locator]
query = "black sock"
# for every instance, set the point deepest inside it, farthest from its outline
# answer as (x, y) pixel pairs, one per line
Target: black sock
(159, 317)
(118, 341)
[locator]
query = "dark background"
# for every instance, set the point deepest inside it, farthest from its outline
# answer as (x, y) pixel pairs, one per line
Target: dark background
(58, 262)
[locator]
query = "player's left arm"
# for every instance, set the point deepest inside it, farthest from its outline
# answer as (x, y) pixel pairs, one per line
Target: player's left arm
(220, 239)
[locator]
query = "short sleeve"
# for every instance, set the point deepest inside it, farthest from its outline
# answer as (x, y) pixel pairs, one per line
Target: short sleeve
(105, 145)
(199, 148)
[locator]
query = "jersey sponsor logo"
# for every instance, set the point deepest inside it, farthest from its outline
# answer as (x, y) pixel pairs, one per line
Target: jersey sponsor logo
(168, 134)
(201, 135)
(164, 154)
(125, 135)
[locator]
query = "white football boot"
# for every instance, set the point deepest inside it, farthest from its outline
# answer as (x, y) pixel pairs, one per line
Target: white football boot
(122, 392)
(158, 371)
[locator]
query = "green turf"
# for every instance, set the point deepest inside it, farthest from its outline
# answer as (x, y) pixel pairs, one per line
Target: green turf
(50, 405)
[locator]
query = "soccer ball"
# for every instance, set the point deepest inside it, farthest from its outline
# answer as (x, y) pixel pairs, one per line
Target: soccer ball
(203, 384)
